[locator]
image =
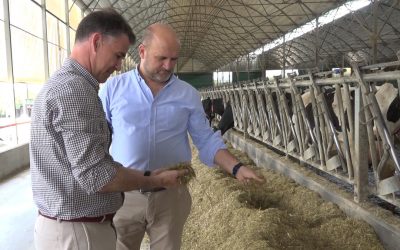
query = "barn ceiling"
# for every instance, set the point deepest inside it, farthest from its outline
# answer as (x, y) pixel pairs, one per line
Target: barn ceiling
(370, 35)
(219, 34)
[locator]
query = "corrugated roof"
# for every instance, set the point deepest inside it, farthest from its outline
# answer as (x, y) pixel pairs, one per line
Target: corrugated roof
(219, 34)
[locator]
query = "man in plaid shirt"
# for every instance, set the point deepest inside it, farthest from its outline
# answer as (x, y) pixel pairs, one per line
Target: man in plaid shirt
(76, 184)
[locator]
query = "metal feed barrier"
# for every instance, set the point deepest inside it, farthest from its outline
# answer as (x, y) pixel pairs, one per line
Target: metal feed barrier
(334, 123)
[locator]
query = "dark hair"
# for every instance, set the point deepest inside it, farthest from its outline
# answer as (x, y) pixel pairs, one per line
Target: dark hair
(105, 21)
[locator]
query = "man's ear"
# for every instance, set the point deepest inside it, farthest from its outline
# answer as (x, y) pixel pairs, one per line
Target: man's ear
(96, 41)
(141, 51)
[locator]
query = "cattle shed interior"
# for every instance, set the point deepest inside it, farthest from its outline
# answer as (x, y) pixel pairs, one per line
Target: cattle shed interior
(312, 89)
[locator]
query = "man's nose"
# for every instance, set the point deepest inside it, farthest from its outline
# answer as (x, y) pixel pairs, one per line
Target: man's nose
(169, 65)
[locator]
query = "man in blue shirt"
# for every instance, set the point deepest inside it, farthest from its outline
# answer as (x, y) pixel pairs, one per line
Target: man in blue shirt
(151, 112)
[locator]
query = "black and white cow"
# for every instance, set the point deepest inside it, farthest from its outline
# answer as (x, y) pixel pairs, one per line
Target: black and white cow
(216, 106)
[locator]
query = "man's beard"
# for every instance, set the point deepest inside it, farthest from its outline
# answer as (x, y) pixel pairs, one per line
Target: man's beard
(162, 77)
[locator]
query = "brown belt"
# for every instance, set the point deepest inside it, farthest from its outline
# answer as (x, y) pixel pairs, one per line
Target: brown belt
(152, 190)
(107, 217)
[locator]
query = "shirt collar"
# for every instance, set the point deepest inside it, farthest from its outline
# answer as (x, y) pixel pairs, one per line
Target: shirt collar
(84, 72)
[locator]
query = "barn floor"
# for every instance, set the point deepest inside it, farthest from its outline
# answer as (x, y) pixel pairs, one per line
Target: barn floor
(287, 198)
(280, 214)
(19, 213)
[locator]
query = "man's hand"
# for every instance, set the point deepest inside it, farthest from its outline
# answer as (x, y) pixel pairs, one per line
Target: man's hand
(230, 164)
(245, 175)
(168, 178)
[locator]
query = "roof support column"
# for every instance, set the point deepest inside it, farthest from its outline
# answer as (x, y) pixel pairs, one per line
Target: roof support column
(237, 71)
(284, 57)
(317, 44)
(248, 71)
(374, 34)
(9, 54)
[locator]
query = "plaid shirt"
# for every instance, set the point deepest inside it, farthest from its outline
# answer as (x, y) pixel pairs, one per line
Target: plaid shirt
(69, 145)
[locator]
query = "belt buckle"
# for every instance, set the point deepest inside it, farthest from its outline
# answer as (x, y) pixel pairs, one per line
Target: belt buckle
(144, 191)
(152, 190)
(103, 219)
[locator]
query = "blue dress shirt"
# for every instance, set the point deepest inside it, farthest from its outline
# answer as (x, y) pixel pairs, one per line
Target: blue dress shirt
(152, 132)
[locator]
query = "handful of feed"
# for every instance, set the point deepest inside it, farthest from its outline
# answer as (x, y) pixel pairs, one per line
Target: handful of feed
(185, 179)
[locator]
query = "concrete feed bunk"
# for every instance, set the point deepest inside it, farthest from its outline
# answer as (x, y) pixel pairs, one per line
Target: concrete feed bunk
(279, 214)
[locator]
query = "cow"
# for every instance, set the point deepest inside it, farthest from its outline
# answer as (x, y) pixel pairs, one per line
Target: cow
(208, 109)
(329, 95)
(226, 121)
(216, 106)
(388, 102)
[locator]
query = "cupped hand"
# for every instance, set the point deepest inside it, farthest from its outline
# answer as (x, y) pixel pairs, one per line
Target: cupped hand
(246, 175)
(169, 178)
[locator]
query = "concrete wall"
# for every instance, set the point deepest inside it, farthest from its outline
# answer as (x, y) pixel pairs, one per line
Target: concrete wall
(198, 79)
(244, 76)
(14, 160)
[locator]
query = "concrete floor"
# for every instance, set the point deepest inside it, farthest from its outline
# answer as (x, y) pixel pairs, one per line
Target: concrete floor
(18, 213)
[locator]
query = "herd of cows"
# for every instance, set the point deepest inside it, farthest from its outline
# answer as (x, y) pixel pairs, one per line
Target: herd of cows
(316, 122)
(387, 97)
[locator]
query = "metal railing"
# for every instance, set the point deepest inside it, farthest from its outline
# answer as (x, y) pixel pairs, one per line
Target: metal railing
(333, 123)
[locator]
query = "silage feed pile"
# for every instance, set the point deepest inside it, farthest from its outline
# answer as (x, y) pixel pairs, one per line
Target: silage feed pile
(279, 214)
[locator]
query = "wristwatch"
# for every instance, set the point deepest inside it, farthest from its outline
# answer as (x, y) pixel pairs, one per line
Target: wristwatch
(235, 169)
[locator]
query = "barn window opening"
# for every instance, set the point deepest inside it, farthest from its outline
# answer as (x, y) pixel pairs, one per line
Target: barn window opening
(327, 18)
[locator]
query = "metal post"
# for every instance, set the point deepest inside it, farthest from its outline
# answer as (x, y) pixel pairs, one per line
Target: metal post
(374, 33)
(361, 151)
(9, 56)
(284, 57)
(248, 70)
(317, 44)
(67, 10)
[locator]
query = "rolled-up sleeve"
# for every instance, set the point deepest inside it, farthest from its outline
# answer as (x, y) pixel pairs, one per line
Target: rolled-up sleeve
(207, 142)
